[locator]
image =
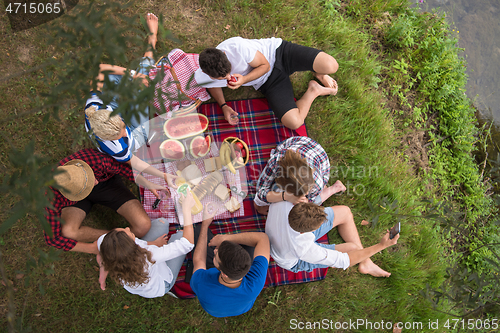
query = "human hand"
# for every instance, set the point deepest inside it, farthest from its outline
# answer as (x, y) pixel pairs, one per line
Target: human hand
(160, 241)
(155, 189)
(187, 201)
(295, 200)
(230, 115)
(209, 212)
(217, 240)
(386, 242)
(170, 179)
(236, 84)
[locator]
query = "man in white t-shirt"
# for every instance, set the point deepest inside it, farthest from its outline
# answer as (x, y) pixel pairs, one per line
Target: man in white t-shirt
(266, 64)
(294, 229)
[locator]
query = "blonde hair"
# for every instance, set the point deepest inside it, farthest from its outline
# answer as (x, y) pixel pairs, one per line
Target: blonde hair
(104, 126)
(294, 174)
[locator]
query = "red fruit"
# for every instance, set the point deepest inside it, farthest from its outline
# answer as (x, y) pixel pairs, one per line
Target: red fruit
(233, 79)
(242, 148)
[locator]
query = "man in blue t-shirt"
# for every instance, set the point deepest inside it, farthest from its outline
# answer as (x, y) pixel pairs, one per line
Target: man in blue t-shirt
(231, 288)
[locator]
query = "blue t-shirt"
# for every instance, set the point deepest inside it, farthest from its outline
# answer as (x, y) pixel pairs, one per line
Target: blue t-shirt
(221, 301)
(121, 149)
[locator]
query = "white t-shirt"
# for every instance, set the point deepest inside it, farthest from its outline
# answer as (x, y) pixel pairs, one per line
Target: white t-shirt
(159, 271)
(288, 245)
(240, 52)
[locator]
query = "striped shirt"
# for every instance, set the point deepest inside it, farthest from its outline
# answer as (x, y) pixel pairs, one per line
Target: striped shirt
(121, 149)
(307, 148)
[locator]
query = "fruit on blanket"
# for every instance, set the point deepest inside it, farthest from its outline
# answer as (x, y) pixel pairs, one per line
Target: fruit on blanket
(242, 148)
(185, 126)
(172, 149)
(225, 156)
(200, 146)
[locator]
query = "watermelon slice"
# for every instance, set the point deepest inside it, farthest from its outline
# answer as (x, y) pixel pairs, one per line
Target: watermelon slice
(185, 126)
(172, 149)
(200, 146)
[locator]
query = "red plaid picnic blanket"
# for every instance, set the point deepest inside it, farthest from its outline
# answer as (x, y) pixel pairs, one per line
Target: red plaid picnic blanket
(184, 65)
(262, 132)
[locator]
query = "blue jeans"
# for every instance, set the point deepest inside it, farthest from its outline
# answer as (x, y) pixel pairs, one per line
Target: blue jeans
(320, 232)
(157, 229)
(138, 126)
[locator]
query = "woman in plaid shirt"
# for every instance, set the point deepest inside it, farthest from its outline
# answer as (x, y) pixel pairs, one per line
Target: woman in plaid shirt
(298, 170)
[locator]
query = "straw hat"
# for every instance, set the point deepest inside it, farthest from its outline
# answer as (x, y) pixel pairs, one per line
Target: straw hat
(75, 180)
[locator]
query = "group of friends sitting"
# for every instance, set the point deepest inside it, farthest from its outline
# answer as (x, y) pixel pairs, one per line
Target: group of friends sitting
(229, 270)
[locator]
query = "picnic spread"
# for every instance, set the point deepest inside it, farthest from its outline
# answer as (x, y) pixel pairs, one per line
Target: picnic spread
(261, 131)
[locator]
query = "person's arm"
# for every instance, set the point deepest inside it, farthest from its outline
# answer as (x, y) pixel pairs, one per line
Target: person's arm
(357, 256)
(228, 111)
(117, 70)
(160, 241)
(188, 203)
(259, 240)
(140, 180)
(143, 167)
(86, 247)
(200, 252)
(260, 67)
(280, 196)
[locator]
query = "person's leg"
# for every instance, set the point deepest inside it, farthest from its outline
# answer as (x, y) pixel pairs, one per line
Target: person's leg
(158, 228)
(134, 213)
(140, 125)
(304, 266)
(329, 191)
(294, 118)
(295, 58)
(72, 227)
(324, 64)
(175, 264)
(344, 221)
(152, 23)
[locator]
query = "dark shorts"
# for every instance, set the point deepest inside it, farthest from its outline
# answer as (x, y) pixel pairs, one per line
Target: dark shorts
(290, 58)
(112, 193)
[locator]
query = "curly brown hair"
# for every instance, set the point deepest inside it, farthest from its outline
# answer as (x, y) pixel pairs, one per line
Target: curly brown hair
(294, 175)
(306, 217)
(126, 262)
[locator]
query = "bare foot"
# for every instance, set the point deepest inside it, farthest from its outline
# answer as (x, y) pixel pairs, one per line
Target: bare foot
(327, 81)
(319, 90)
(152, 22)
(329, 191)
(369, 267)
(102, 273)
(261, 209)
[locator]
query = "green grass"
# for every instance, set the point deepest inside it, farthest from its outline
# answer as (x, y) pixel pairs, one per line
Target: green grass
(362, 130)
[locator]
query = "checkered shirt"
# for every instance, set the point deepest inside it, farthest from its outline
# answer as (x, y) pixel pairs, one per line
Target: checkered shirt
(307, 148)
(104, 167)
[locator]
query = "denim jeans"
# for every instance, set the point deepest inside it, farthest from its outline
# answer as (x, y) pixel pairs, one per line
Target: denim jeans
(138, 127)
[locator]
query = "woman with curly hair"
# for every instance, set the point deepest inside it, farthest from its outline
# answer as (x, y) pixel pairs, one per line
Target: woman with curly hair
(147, 267)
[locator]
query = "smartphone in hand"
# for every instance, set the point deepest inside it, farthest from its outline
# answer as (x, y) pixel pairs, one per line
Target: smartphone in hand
(395, 230)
